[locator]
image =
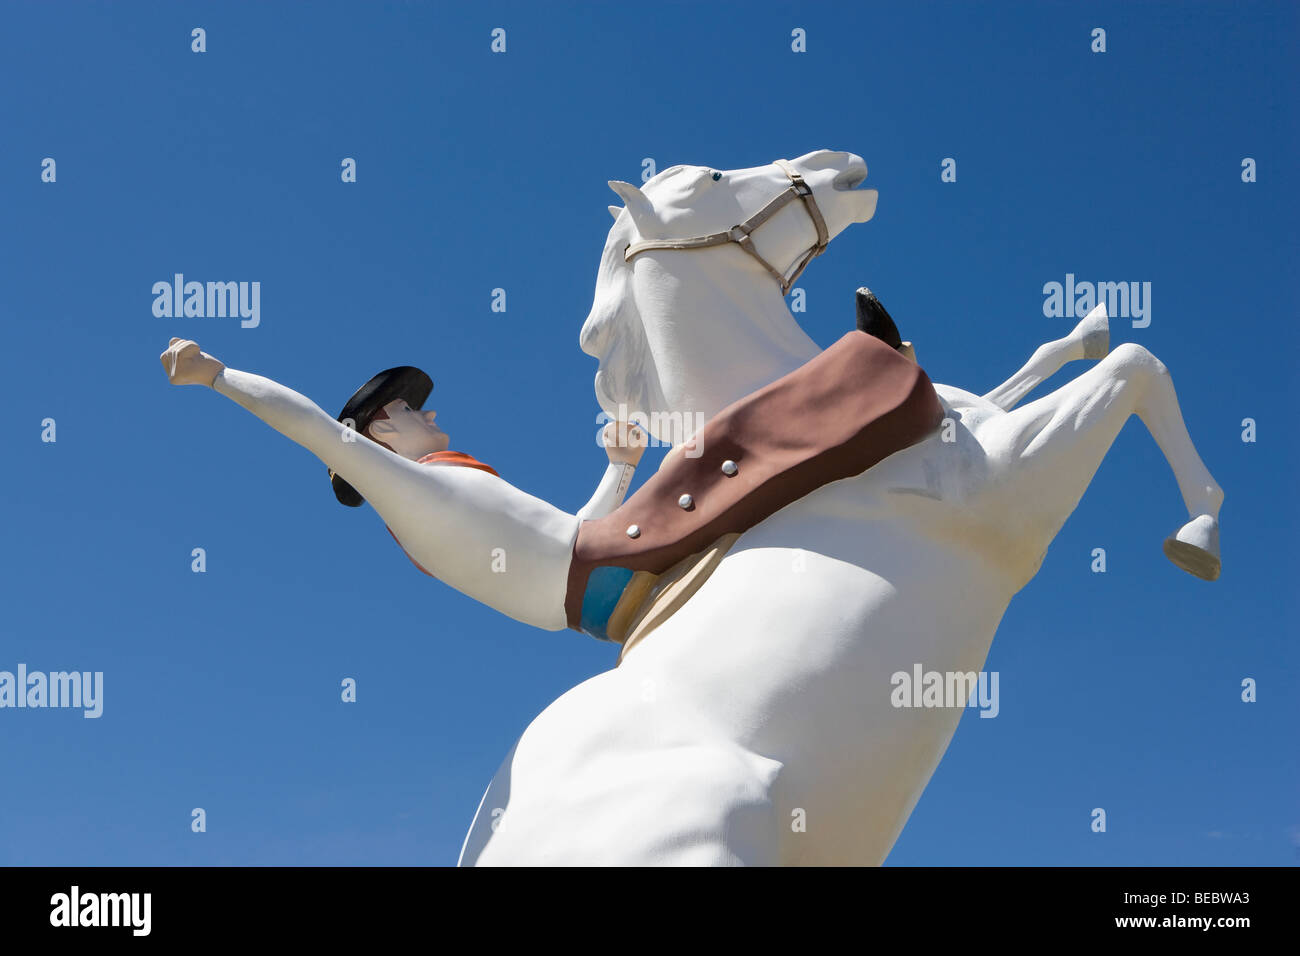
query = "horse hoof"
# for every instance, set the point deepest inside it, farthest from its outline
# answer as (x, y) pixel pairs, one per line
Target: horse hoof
(1195, 548)
(1094, 333)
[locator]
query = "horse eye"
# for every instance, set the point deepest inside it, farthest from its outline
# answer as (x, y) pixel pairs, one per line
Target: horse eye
(717, 176)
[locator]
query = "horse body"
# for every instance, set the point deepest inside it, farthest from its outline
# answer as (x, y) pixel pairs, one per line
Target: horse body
(737, 719)
(758, 712)
(757, 724)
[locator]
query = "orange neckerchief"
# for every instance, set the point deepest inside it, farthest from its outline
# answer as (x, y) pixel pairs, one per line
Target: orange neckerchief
(456, 458)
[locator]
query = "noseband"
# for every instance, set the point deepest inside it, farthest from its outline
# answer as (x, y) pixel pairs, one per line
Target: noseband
(740, 234)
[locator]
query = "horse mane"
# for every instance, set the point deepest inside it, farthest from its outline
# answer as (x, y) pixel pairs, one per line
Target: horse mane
(614, 331)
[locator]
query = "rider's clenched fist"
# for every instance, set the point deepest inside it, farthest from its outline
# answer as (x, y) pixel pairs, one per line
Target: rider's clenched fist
(186, 365)
(624, 442)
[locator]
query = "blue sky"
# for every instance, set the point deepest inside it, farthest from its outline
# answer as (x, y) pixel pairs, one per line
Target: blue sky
(479, 170)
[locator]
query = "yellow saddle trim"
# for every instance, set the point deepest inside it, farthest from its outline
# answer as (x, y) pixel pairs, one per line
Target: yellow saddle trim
(650, 599)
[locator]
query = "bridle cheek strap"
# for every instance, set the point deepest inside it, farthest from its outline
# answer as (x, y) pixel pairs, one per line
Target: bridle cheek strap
(742, 233)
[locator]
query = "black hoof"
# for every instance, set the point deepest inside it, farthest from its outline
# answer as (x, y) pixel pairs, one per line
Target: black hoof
(874, 320)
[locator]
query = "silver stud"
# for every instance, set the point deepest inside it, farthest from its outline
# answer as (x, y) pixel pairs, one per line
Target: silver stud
(686, 501)
(633, 531)
(729, 468)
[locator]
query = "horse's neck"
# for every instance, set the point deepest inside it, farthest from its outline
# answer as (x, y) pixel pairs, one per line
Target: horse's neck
(720, 335)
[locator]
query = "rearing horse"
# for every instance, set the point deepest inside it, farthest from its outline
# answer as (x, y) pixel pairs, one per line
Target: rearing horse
(756, 725)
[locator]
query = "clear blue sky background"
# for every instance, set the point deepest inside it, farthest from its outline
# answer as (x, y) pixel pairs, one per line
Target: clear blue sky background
(1118, 690)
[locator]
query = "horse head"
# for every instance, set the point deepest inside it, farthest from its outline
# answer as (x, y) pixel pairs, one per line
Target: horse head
(686, 319)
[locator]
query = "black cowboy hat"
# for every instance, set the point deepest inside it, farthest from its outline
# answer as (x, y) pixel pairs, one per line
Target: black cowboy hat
(406, 382)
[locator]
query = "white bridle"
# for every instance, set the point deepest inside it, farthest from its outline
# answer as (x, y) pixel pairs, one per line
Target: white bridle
(740, 234)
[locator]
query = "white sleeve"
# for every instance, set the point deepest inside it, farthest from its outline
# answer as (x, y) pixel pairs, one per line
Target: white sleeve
(299, 418)
(610, 492)
(455, 522)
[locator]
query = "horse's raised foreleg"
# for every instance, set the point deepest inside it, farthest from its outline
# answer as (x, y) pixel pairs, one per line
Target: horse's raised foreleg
(1057, 442)
(1090, 339)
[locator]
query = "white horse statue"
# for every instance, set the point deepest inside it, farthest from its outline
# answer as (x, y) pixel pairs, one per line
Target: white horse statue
(755, 725)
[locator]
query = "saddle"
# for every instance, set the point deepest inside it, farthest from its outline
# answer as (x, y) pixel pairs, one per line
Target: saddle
(834, 417)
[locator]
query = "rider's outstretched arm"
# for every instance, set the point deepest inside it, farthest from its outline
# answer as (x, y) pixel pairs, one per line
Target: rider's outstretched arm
(298, 418)
(473, 531)
(291, 414)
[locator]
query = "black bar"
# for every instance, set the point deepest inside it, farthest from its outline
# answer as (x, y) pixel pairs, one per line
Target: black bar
(333, 904)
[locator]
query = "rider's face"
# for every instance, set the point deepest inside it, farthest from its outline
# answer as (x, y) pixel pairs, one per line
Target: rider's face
(411, 431)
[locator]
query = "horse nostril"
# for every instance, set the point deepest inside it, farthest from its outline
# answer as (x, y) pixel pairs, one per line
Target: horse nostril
(850, 178)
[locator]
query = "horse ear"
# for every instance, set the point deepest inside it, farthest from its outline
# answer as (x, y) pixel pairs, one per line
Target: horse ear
(643, 213)
(615, 210)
